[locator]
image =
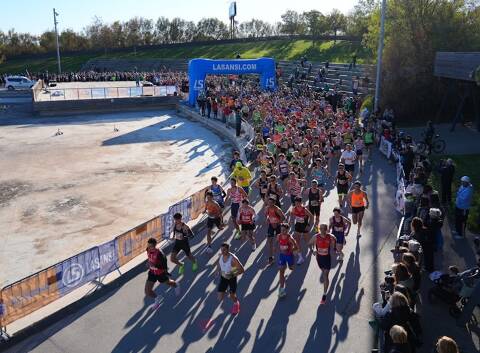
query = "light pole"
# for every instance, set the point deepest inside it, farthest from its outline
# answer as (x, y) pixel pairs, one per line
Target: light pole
(55, 14)
(379, 55)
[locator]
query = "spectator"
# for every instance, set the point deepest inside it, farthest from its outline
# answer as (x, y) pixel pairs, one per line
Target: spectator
(414, 269)
(408, 159)
(399, 340)
(447, 172)
(446, 345)
(403, 277)
(426, 238)
(401, 315)
(209, 106)
(462, 207)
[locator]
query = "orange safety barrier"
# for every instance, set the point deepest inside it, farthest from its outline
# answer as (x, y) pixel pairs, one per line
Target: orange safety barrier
(198, 203)
(134, 242)
(29, 294)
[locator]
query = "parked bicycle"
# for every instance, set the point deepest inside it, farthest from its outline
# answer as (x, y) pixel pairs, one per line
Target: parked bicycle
(436, 145)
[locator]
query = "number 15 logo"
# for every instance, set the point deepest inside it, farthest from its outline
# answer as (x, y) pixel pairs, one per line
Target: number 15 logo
(270, 82)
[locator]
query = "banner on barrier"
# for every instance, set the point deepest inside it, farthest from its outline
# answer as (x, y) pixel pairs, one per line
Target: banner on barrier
(198, 203)
(184, 207)
(134, 242)
(108, 257)
(400, 197)
(385, 147)
(78, 270)
(30, 294)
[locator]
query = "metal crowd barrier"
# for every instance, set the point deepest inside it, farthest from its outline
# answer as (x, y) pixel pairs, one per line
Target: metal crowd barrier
(31, 293)
(56, 94)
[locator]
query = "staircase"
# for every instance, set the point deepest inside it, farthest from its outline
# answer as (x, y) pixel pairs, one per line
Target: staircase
(337, 74)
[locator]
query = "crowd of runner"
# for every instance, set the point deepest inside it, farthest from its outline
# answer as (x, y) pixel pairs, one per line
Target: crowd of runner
(304, 146)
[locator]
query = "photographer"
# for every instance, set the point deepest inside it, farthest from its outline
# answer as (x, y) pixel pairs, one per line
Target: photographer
(447, 173)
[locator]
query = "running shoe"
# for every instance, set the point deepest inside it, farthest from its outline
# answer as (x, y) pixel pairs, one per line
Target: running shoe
(300, 260)
(195, 266)
(156, 305)
(178, 290)
(340, 256)
(254, 247)
(270, 261)
(209, 249)
(324, 300)
(236, 308)
(281, 292)
(181, 269)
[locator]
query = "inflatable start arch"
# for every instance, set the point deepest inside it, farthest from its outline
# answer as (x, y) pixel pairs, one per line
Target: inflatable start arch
(199, 68)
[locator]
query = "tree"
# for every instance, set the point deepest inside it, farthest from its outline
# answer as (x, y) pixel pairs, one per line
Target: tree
(72, 41)
(359, 18)
(337, 21)
(162, 27)
(293, 23)
(255, 28)
(211, 29)
(47, 41)
(316, 22)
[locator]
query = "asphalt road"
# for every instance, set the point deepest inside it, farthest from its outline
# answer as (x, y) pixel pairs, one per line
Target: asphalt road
(123, 320)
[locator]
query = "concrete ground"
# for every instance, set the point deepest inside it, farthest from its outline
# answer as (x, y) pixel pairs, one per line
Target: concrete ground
(60, 195)
(123, 321)
(463, 140)
(100, 90)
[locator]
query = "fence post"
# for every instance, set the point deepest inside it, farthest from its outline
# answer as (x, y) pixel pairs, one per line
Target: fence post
(78, 94)
(104, 92)
(118, 95)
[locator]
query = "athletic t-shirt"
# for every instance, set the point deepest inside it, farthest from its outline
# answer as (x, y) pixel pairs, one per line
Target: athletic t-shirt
(349, 157)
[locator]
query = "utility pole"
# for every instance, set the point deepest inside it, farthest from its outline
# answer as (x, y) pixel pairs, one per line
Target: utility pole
(55, 14)
(380, 55)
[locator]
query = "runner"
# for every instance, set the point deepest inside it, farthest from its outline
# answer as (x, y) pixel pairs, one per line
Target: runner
(236, 194)
(300, 216)
(294, 187)
(342, 179)
(246, 218)
(315, 199)
(359, 146)
(287, 246)
(243, 175)
(229, 267)
(158, 271)
(214, 218)
(339, 226)
(274, 190)
(283, 167)
(262, 185)
(181, 234)
(358, 200)
(348, 158)
(273, 217)
(368, 139)
(218, 192)
(324, 244)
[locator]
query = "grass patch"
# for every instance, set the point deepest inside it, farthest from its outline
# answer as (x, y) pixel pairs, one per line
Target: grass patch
(468, 164)
(340, 51)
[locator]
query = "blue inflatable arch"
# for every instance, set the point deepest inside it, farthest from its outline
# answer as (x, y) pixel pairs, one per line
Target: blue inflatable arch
(199, 68)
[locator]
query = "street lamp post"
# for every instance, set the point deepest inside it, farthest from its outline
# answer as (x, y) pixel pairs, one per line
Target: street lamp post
(55, 22)
(379, 55)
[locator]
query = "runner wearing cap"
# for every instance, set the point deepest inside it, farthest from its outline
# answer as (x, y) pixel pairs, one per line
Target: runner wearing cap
(358, 201)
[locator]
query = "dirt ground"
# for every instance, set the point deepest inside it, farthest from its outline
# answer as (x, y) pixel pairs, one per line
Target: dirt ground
(63, 194)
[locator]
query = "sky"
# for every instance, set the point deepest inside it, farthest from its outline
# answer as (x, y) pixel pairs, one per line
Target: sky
(35, 16)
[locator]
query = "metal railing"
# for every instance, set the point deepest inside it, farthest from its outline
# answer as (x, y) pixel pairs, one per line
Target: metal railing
(64, 94)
